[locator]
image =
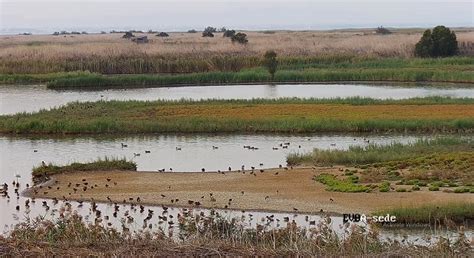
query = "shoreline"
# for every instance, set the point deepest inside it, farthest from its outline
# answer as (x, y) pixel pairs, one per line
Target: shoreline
(374, 83)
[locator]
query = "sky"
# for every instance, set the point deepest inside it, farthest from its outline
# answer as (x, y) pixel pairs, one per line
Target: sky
(47, 16)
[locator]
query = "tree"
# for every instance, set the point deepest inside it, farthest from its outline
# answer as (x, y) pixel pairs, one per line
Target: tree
(440, 42)
(240, 38)
(270, 62)
(424, 47)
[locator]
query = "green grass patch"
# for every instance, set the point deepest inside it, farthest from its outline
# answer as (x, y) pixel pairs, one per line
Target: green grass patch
(334, 184)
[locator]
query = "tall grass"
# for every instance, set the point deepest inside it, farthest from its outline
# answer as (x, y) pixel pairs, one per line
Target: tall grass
(357, 155)
(433, 214)
(261, 76)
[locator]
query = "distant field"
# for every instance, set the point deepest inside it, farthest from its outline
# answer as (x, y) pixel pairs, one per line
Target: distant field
(189, 52)
(290, 115)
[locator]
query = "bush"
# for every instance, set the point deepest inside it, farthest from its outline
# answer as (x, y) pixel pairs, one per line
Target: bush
(128, 35)
(433, 188)
(270, 62)
(209, 32)
(240, 38)
(383, 31)
(440, 42)
(192, 31)
(384, 186)
(162, 34)
(229, 33)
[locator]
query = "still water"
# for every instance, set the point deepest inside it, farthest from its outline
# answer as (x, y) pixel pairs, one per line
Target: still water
(18, 155)
(30, 98)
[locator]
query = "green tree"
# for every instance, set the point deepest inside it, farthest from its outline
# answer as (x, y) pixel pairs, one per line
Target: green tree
(424, 47)
(440, 42)
(270, 62)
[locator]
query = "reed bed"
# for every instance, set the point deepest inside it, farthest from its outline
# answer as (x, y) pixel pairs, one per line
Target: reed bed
(449, 213)
(209, 235)
(185, 53)
(374, 153)
(261, 76)
(253, 116)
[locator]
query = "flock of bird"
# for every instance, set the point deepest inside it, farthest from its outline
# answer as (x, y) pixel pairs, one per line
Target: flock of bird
(133, 209)
(134, 204)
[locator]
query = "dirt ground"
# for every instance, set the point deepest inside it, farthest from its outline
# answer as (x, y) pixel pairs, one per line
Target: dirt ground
(272, 190)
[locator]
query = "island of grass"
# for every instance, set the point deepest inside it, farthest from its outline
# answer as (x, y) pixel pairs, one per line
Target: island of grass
(45, 171)
(431, 114)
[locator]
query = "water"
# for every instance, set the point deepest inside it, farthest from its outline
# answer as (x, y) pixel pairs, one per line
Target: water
(18, 156)
(28, 98)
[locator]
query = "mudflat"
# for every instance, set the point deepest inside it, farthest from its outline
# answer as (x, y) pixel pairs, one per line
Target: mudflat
(270, 190)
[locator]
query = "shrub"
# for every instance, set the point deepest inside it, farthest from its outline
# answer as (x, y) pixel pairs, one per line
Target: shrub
(270, 62)
(192, 31)
(128, 35)
(240, 38)
(384, 186)
(209, 32)
(229, 33)
(440, 42)
(162, 34)
(415, 188)
(383, 31)
(433, 188)
(401, 190)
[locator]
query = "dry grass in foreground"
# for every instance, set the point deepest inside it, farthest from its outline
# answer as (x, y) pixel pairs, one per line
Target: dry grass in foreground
(211, 236)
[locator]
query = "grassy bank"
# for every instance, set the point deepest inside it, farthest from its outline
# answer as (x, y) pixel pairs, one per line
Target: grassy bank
(291, 70)
(374, 153)
(287, 115)
(106, 164)
(434, 214)
(39, 78)
(210, 235)
(261, 76)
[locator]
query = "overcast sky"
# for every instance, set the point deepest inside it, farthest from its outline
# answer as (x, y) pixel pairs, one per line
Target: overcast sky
(95, 15)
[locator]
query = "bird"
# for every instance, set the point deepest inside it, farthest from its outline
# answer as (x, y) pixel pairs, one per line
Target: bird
(178, 148)
(147, 151)
(124, 145)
